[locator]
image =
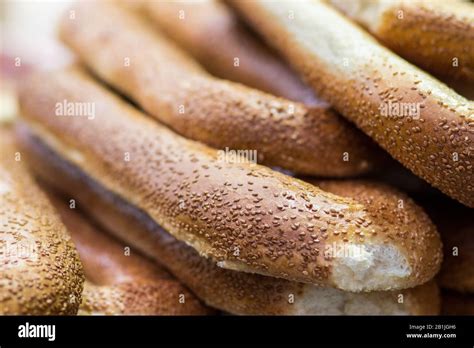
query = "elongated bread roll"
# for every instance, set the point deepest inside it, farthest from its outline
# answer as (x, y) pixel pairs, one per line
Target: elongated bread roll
(212, 34)
(40, 271)
(436, 35)
(120, 281)
(231, 291)
(135, 59)
(417, 119)
(244, 216)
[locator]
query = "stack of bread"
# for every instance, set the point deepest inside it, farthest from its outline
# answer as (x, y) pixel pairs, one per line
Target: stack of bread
(150, 137)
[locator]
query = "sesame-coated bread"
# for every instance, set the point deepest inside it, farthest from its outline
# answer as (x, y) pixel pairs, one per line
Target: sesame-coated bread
(417, 119)
(213, 35)
(120, 281)
(40, 271)
(243, 216)
(387, 204)
(141, 298)
(231, 291)
(436, 35)
(134, 58)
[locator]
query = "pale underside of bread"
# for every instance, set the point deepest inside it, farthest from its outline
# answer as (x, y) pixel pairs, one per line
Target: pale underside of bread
(434, 34)
(231, 291)
(245, 217)
(119, 282)
(361, 79)
(40, 271)
(171, 87)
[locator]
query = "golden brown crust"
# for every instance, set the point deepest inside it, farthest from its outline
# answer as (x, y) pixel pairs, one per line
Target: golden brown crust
(234, 292)
(141, 298)
(213, 35)
(368, 84)
(171, 87)
(246, 217)
(40, 270)
(121, 281)
(105, 260)
(433, 34)
(385, 203)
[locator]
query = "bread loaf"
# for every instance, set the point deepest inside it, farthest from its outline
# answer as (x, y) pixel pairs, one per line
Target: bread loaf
(414, 117)
(436, 35)
(40, 270)
(142, 64)
(244, 217)
(228, 290)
